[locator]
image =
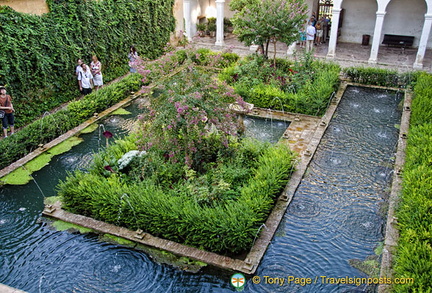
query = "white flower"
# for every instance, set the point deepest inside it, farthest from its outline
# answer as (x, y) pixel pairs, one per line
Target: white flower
(125, 160)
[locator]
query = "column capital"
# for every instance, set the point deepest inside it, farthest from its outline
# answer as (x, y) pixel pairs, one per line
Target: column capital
(428, 16)
(336, 10)
(381, 13)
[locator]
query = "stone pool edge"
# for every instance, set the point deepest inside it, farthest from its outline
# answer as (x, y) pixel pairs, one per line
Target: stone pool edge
(253, 258)
(392, 232)
(74, 131)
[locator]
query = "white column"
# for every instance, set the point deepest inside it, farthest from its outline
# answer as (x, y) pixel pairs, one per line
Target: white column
(418, 64)
(220, 22)
(334, 33)
(187, 17)
(377, 36)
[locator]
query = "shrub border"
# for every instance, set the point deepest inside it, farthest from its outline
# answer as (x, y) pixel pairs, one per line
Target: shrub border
(250, 264)
(72, 132)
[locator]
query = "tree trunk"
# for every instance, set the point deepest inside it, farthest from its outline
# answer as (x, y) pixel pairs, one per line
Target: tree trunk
(266, 49)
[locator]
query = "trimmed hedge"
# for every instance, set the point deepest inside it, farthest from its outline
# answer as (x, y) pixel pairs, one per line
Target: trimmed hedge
(39, 53)
(49, 127)
(414, 252)
(304, 87)
(227, 227)
(380, 77)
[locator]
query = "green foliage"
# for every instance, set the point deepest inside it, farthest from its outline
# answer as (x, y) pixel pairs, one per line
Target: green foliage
(301, 87)
(39, 53)
(381, 77)
(189, 108)
(195, 184)
(258, 22)
(219, 210)
(206, 57)
(422, 103)
(54, 125)
(414, 252)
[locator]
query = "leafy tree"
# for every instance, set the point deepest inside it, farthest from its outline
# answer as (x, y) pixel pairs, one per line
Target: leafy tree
(262, 22)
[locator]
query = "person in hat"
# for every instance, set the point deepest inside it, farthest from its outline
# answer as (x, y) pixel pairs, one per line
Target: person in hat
(7, 107)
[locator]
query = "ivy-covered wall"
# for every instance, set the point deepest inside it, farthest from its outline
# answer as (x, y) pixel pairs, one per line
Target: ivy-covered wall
(38, 53)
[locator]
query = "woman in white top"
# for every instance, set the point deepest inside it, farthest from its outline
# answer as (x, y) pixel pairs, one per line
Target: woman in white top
(85, 79)
(96, 68)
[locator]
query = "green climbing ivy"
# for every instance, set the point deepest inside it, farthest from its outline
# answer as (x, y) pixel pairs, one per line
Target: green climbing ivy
(38, 53)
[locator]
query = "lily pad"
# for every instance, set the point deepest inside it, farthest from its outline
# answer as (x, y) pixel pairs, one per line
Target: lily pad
(120, 111)
(117, 240)
(52, 199)
(22, 176)
(65, 145)
(19, 176)
(90, 129)
(38, 163)
(62, 226)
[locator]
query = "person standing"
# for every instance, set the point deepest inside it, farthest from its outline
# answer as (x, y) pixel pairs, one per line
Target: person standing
(310, 36)
(302, 34)
(7, 107)
(85, 79)
(319, 31)
(133, 58)
(325, 28)
(96, 70)
(78, 69)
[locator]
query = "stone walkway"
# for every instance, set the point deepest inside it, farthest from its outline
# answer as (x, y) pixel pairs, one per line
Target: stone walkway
(347, 54)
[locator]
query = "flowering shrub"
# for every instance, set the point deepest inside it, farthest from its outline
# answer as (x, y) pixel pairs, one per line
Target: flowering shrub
(260, 22)
(188, 110)
(198, 182)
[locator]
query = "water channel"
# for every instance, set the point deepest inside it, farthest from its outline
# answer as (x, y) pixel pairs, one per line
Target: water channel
(335, 217)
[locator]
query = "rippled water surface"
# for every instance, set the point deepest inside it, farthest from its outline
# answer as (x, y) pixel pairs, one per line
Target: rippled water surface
(265, 129)
(335, 215)
(333, 218)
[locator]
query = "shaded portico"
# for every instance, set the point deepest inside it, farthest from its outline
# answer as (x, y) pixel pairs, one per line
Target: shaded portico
(347, 54)
(381, 12)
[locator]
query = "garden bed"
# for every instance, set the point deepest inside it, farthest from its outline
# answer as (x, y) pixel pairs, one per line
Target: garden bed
(193, 173)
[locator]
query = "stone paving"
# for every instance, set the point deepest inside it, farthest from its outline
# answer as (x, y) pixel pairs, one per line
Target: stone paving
(7, 289)
(347, 54)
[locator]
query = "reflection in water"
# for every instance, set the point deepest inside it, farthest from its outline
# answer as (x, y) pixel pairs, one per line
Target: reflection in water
(334, 217)
(335, 214)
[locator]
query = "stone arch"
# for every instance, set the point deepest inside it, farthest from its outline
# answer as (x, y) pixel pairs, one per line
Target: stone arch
(359, 20)
(403, 19)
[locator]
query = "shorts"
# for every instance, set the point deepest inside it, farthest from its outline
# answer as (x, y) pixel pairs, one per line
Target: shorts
(319, 33)
(8, 119)
(86, 91)
(97, 80)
